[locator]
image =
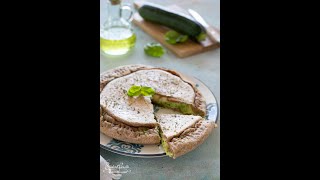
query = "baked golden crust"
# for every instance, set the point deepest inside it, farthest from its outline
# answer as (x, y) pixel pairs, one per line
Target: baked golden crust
(191, 138)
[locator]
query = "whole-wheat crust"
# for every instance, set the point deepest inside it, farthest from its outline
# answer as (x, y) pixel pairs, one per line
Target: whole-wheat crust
(187, 141)
(191, 138)
(118, 130)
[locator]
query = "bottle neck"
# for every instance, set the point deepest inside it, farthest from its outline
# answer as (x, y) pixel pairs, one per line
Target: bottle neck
(114, 9)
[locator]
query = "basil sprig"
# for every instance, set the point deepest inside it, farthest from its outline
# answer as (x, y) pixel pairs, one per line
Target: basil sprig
(140, 90)
(173, 37)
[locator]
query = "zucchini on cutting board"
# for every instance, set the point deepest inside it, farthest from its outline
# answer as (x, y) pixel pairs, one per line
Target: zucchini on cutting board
(153, 26)
(170, 19)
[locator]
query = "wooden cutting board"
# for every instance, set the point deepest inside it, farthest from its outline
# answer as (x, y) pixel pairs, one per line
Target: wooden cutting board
(157, 31)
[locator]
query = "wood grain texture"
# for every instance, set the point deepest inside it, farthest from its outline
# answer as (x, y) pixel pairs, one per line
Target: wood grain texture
(182, 50)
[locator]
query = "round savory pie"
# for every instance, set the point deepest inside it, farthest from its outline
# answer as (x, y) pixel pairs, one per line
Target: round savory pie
(132, 119)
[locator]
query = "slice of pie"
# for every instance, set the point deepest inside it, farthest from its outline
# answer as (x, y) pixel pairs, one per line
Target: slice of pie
(118, 130)
(182, 133)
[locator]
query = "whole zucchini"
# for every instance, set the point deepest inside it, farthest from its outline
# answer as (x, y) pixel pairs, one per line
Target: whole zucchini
(163, 16)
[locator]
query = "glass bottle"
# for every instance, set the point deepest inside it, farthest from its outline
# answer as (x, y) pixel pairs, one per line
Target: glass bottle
(116, 34)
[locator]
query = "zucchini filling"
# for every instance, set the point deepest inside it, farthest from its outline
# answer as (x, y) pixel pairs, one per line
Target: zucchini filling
(166, 102)
(165, 145)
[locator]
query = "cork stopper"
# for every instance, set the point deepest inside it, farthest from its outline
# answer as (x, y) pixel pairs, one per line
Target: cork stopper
(115, 2)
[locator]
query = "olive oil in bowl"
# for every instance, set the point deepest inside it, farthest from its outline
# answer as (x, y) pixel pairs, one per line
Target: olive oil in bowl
(117, 40)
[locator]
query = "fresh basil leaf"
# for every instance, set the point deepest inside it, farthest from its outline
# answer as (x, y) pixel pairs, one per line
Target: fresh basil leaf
(154, 49)
(202, 36)
(147, 91)
(173, 37)
(134, 91)
(140, 90)
(182, 38)
(171, 41)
